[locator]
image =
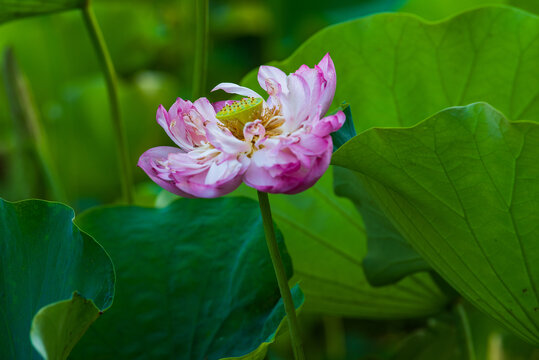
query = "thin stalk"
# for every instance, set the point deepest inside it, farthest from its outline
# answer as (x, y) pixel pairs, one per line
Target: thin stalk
(201, 48)
(467, 330)
(29, 127)
(112, 89)
(18, 178)
(282, 280)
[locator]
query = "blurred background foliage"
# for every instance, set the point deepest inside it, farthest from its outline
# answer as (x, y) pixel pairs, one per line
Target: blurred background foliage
(152, 47)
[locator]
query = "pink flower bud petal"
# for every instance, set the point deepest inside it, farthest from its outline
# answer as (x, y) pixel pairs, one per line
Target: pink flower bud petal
(295, 104)
(329, 124)
(189, 176)
(271, 75)
(182, 123)
(149, 163)
(223, 139)
(330, 76)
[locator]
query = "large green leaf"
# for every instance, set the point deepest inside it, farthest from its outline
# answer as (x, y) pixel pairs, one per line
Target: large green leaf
(463, 188)
(44, 258)
(435, 10)
(396, 70)
(384, 242)
(15, 9)
(195, 281)
(389, 256)
(528, 5)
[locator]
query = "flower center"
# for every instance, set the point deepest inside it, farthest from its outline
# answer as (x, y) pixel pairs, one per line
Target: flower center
(240, 112)
(262, 121)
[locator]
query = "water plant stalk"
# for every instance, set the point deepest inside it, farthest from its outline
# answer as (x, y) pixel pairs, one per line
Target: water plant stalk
(461, 311)
(111, 80)
(280, 273)
(29, 129)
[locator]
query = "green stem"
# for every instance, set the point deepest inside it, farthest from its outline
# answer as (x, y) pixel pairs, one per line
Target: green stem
(18, 178)
(201, 48)
(29, 127)
(282, 279)
(112, 88)
(467, 330)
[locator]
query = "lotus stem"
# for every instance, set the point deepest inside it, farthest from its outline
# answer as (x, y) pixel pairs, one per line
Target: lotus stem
(111, 80)
(29, 127)
(282, 279)
(461, 311)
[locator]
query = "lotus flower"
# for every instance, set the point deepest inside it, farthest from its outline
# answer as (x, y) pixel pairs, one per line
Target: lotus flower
(278, 145)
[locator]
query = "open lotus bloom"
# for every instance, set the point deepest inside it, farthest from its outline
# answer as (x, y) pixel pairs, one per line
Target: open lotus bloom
(278, 145)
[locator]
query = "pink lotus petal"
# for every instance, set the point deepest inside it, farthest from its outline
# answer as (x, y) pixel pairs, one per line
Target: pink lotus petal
(295, 104)
(219, 105)
(329, 124)
(181, 174)
(205, 108)
(311, 145)
(252, 129)
(290, 168)
(232, 88)
(269, 75)
(328, 70)
(223, 140)
(182, 123)
(148, 162)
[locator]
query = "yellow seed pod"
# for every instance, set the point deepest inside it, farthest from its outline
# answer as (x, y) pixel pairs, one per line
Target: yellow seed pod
(243, 111)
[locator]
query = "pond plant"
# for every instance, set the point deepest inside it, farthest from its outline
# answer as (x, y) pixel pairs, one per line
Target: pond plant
(400, 155)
